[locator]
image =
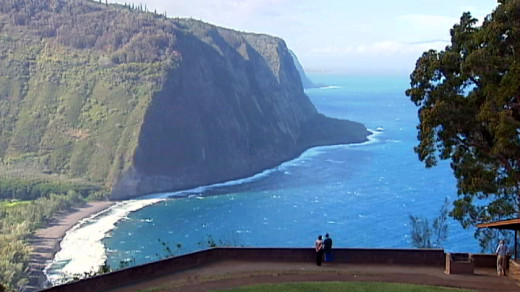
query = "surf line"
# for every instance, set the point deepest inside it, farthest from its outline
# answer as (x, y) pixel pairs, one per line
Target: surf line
(82, 249)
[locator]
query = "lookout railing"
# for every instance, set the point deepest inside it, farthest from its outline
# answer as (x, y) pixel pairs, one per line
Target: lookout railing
(137, 274)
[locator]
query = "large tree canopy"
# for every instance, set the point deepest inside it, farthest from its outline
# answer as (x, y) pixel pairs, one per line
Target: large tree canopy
(469, 109)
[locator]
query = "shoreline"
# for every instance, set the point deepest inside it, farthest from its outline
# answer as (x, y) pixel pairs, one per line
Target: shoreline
(45, 242)
(132, 205)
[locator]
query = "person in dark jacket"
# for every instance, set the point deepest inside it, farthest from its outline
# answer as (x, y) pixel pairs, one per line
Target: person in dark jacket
(327, 247)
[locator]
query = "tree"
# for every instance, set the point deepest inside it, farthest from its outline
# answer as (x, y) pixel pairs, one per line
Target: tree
(421, 232)
(424, 236)
(469, 109)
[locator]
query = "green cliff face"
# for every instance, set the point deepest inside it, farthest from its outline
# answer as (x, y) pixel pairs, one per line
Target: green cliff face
(139, 103)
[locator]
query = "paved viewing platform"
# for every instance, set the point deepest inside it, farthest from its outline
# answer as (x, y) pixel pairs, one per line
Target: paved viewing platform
(222, 268)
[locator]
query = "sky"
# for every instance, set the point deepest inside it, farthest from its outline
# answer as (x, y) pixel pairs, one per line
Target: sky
(339, 36)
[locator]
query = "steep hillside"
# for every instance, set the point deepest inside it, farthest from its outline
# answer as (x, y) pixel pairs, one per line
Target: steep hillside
(140, 103)
(306, 82)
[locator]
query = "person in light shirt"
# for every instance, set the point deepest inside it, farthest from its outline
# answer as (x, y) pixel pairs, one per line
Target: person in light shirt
(502, 252)
(318, 246)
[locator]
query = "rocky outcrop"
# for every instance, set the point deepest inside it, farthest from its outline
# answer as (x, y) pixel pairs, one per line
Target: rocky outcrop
(153, 105)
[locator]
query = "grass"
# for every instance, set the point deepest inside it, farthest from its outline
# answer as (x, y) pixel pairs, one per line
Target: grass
(343, 286)
(9, 203)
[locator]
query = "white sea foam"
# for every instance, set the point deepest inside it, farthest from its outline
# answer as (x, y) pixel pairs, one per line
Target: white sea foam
(373, 138)
(331, 87)
(312, 152)
(82, 250)
(335, 161)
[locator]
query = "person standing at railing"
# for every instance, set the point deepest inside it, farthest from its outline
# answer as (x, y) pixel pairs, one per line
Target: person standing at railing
(327, 247)
(318, 246)
(502, 252)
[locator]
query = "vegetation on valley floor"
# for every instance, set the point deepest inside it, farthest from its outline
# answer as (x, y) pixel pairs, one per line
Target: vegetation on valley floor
(73, 93)
(18, 221)
(70, 92)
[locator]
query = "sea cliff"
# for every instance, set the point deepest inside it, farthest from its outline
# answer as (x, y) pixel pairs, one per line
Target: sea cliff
(141, 103)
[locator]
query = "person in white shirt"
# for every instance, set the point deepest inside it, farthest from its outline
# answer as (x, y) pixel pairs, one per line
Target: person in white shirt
(318, 246)
(502, 252)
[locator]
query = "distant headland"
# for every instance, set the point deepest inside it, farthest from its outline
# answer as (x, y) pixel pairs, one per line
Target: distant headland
(138, 103)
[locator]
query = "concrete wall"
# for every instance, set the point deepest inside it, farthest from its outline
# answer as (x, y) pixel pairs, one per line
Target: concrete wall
(428, 257)
(485, 260)
(459, 263)
(413, 257)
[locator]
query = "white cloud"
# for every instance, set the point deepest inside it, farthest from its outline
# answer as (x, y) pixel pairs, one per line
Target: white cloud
(333, 33)
(385, 56)
(427, 21)
(478, 13)
(420, 27)
(386, 48)
(238, 14)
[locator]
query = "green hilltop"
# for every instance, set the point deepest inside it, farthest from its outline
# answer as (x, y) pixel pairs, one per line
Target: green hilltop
(78, 78)
(116, 98)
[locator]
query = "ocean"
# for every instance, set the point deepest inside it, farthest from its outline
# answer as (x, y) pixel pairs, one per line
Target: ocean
(361, 194)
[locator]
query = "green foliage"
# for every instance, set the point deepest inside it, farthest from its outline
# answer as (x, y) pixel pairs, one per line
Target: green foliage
(489, 238)
(425, 236)
(469, 103)
(102, 195)
(17, 222)
(12, 203)
(105, 268)
(421, 232)
(76, 83)
(167, 250)
(123, 264)
(209, 242)
(76, 79)
(22, 189)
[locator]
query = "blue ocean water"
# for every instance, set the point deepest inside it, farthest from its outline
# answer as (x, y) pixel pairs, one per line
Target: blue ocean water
(360, 194)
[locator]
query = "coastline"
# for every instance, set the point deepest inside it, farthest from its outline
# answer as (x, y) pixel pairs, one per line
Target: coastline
(45, 242)
(80, 261)
(65, 247)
